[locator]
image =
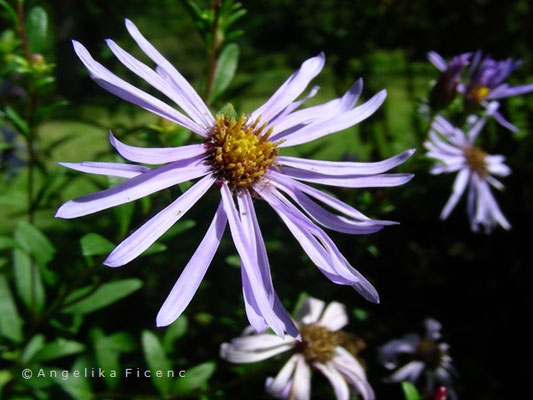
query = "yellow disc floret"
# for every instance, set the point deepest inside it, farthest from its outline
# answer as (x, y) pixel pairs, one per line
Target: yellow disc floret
(240, 151)
(475, 159)
(479, 93)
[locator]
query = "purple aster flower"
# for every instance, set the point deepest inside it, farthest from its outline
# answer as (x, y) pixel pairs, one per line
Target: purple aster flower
(449, 81)
(427, 354)
(324, 347)
(455, 152)
(239, 157)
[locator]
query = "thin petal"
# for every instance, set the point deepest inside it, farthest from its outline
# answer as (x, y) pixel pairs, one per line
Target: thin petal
(435, 59)
(235, 355)
(290, 89)
(133, 189)
(112, 83)
(276, 386)
(247, 256)
(334, 317)
(107, 168)
(152, 230)
(155, 156)
(349, 181)
(301, 385)
(500, 93)
(340, 387)
(192, 275)
(409, 372)
(459, 186)
(260, 342)
(352, 371)
(339, 123)
(181, 83)
(493, 206)
(503, 122)
(310, 311)
(345, 168)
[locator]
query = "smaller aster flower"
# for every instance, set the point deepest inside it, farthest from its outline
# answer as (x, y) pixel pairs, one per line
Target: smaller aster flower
(449, 80)
(427, 354)
(455, 152)
(486, 82)
(323, 347)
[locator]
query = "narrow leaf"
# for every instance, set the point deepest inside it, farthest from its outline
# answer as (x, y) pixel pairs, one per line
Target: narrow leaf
(410, 392)
(58, 349)
(226, 67)
(93, 244)
(156, 360)
(28, 281)
(195, 377)
(10, 322)
(36, 29)
(34, 242)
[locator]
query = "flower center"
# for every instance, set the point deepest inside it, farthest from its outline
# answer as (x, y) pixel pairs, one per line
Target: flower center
(429, 352)
(240, 152)
(475, 159)
(478, 93)
(318, 343)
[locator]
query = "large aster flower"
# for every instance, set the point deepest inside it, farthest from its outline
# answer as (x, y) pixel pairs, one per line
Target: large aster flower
(425, 354)
(239, 157)
(323, 347)
(455, 152)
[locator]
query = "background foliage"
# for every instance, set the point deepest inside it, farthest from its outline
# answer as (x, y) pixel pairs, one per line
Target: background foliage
(60, 308)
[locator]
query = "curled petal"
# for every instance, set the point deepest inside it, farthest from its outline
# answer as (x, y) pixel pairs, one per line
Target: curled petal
(107, 168)
(334, 317)
(340, 387)
(310, 311)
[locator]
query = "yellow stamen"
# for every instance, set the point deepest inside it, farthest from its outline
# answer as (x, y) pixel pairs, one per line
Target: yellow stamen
(479, 93)
(240, 152)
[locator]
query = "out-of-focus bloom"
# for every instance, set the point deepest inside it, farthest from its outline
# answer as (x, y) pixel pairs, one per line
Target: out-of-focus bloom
(486, 82)
(425, 354)
(323, 347)
(455, 152)
(239, 156)
(449, 82)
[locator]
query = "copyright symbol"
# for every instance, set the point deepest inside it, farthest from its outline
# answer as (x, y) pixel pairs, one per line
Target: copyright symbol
(27, 373)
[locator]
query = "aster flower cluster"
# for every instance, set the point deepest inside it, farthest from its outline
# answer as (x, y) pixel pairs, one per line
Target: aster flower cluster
(324, 347)
(456, 150)
(239, 157)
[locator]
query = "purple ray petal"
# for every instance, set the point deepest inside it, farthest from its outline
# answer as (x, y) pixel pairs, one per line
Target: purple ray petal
(181, 84)
(492, 205)
(351, 181)
(341, 122)
(290, 89)
(459, 186)
(260, 342)
(330, 220)
(310, 311)
(107, 168)
(152, 230)
(251, 227)
(156, 156)
(253, 313)
(437, 61)
(346, 168)
(157, 81)
(187, 284)
(325, 198)
(112, 83)
(352, 371)
(134, 188)
(334, 317)
(340, 387)
(235, 355)
(506, 91)
(247, 256)
(276, 387)
(293, 106)
(503, 122)
(301, 385)
(322, 112)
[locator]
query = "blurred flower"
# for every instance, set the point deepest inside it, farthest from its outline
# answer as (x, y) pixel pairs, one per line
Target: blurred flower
(455, 152)
(449, 80)
(239, 156)
(324, 347)
(486, 82)
(426, 355)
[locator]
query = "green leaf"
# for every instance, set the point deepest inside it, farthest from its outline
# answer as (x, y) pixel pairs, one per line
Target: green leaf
(123, 216)
(36, 29)
(16, 120)
(156, 360)
(28, 281)
(106, 294)
(10, 10)
(195, 377)
(58, 349)
(78, 387)
(5, 377)
(93, 244)
(7, 243)
(234, 260)
(10, 322)
(107, 352)
(34, 242)
(226, 67)
(176, 330)
(154, 248)
(33, 347)
(410, 392)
